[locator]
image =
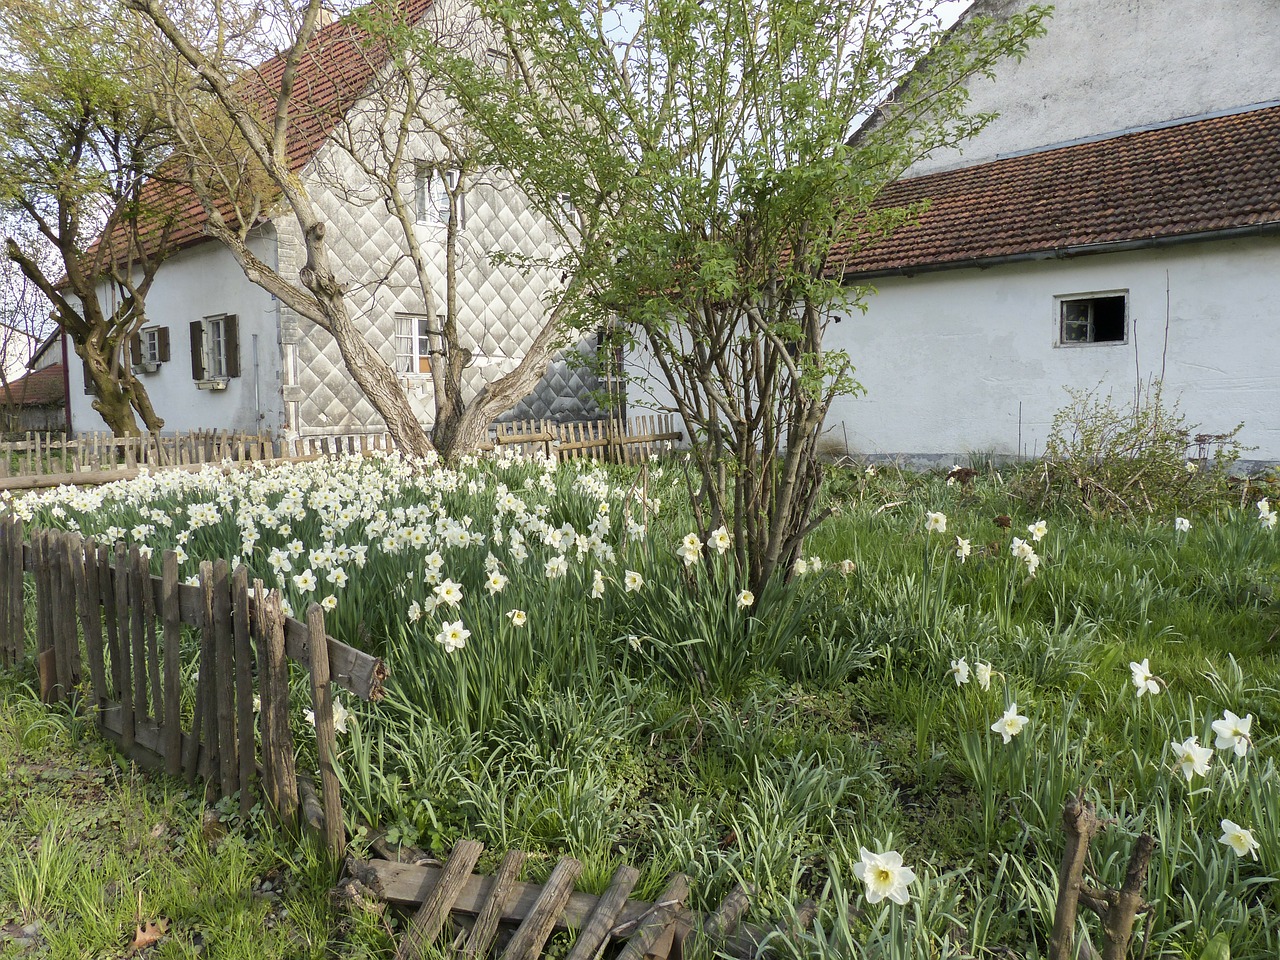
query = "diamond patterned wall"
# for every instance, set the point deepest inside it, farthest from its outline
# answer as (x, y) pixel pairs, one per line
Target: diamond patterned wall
(501, 308)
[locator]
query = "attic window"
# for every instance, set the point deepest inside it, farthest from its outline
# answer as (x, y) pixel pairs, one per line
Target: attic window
(435, 193)
(1097, 318)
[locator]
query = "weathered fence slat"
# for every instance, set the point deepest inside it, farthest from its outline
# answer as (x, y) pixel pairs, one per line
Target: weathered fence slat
(664, 912)
(485, 931)
(87, 596)
(17, 604)
(326, 737)
(205, 725)
(532, 935)
(172, 617)
(244, 685)
(277, 739)
(124, 674)
(430, 917)
(592, 937)
(225, 672)
(138, 633)
(107, 591)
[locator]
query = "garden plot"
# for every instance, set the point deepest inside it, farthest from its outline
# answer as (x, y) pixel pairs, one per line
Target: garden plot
(573, 672)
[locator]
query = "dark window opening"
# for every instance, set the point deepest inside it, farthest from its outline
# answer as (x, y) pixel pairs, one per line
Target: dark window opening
(1093, 320)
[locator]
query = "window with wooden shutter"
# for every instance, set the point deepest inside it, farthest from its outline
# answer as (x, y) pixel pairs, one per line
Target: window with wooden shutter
(231, 345)
(135, 349)
(197, 349)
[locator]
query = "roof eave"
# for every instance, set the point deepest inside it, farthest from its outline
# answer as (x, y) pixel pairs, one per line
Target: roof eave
(1068, 252)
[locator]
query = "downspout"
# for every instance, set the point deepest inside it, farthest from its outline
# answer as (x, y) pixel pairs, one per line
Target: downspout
(66, 382)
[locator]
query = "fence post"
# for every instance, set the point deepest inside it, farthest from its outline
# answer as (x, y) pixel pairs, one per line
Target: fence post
(326, 738)
(124, 673)
(244, 685)
(170, 610)
(273, 677)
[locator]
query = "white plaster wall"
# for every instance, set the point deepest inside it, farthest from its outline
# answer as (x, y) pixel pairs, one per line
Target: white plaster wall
(947, 358)
(1109, 65)
(202, 281)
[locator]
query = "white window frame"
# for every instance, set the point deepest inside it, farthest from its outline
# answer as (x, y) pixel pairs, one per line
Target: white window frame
(150, 339)
(418, 339)
(215, 348)
(431, 195)
(1060, 303)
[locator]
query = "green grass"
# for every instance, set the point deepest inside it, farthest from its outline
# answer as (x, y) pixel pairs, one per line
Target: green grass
(671, 730)
(90, 851)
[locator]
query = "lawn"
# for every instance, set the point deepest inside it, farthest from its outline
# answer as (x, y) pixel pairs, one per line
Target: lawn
(573, 672)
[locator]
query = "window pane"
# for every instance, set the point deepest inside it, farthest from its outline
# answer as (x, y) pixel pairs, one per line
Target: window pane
(1075, 321)
(1108, 319)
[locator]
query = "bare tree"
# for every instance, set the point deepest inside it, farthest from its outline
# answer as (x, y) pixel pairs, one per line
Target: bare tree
(238, 124)
(77, 143)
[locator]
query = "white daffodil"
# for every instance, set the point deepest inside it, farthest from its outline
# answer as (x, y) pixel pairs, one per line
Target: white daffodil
(1181, 524)
(448, 592)
(690, 549)
(1038, 530)
(1143, 679)
(597, 584)
(518, 618)
(1192, 467)
(340, 716)
(1264, 508)
(415, 612)
(959, 670)
(632, 581)
(983, 672)
(329, 603)
(1190, 758)
(800, 567)
(720, 541)
(338, 577)
(453, 636)
(963, 549)
(1021, 549)
(495, 582)
(885, 876)
(847, 567)
(935, 522)
(1240, 839)
(1233, 732)
(1011, 724)
(556, 567)
(746, 599)
(305, 581)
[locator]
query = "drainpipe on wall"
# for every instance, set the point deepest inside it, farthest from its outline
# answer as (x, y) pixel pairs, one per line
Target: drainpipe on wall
(257, 388)
(66, 382)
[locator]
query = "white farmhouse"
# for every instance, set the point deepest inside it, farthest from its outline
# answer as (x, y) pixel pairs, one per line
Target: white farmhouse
(1119, 221)
(218, 352)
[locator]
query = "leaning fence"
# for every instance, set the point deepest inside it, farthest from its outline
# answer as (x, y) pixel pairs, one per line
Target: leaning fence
(101, 611)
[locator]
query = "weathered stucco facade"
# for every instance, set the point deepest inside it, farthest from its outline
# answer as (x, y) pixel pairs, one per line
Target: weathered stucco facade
(1110, 65)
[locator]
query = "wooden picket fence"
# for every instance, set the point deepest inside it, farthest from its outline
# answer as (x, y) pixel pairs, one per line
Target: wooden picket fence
(614, 441)
(65, 459)
(100, 609)
(479, 907)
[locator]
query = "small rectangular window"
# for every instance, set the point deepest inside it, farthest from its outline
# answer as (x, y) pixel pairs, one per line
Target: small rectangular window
(436, 194)
(1100, 318)
(215, 348)
(418, 339)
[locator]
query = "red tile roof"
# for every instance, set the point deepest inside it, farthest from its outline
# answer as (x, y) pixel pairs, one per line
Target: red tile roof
(45, 387)
(335, 70)
(1201, 177)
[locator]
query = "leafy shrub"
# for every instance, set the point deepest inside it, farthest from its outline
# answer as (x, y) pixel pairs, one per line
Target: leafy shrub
(1125, 460)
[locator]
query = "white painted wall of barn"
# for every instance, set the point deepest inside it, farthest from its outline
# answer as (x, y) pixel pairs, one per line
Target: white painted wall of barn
(949, 358)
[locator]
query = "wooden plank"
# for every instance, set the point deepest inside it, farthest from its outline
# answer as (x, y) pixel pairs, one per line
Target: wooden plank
(40, 553)
(206, 690)
(148, 739)
(531, 936)
(88, 598)
(17, 606)
(650, 928)
(225, 672)
(326, 736)
(138, 632)
(107, 591)
(72, 557)
(485, 931)
(273, 675)
(430, 917)
(593, 936)
(732, 908)
(152, 648)
(56, 686)
(246, 748)
(6, 589)
(124, 681)
(172, 616)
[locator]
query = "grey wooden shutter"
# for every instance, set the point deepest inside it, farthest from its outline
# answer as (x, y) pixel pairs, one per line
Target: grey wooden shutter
(231, 325)
(135, 348)
(197, 350)
(162, 344)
